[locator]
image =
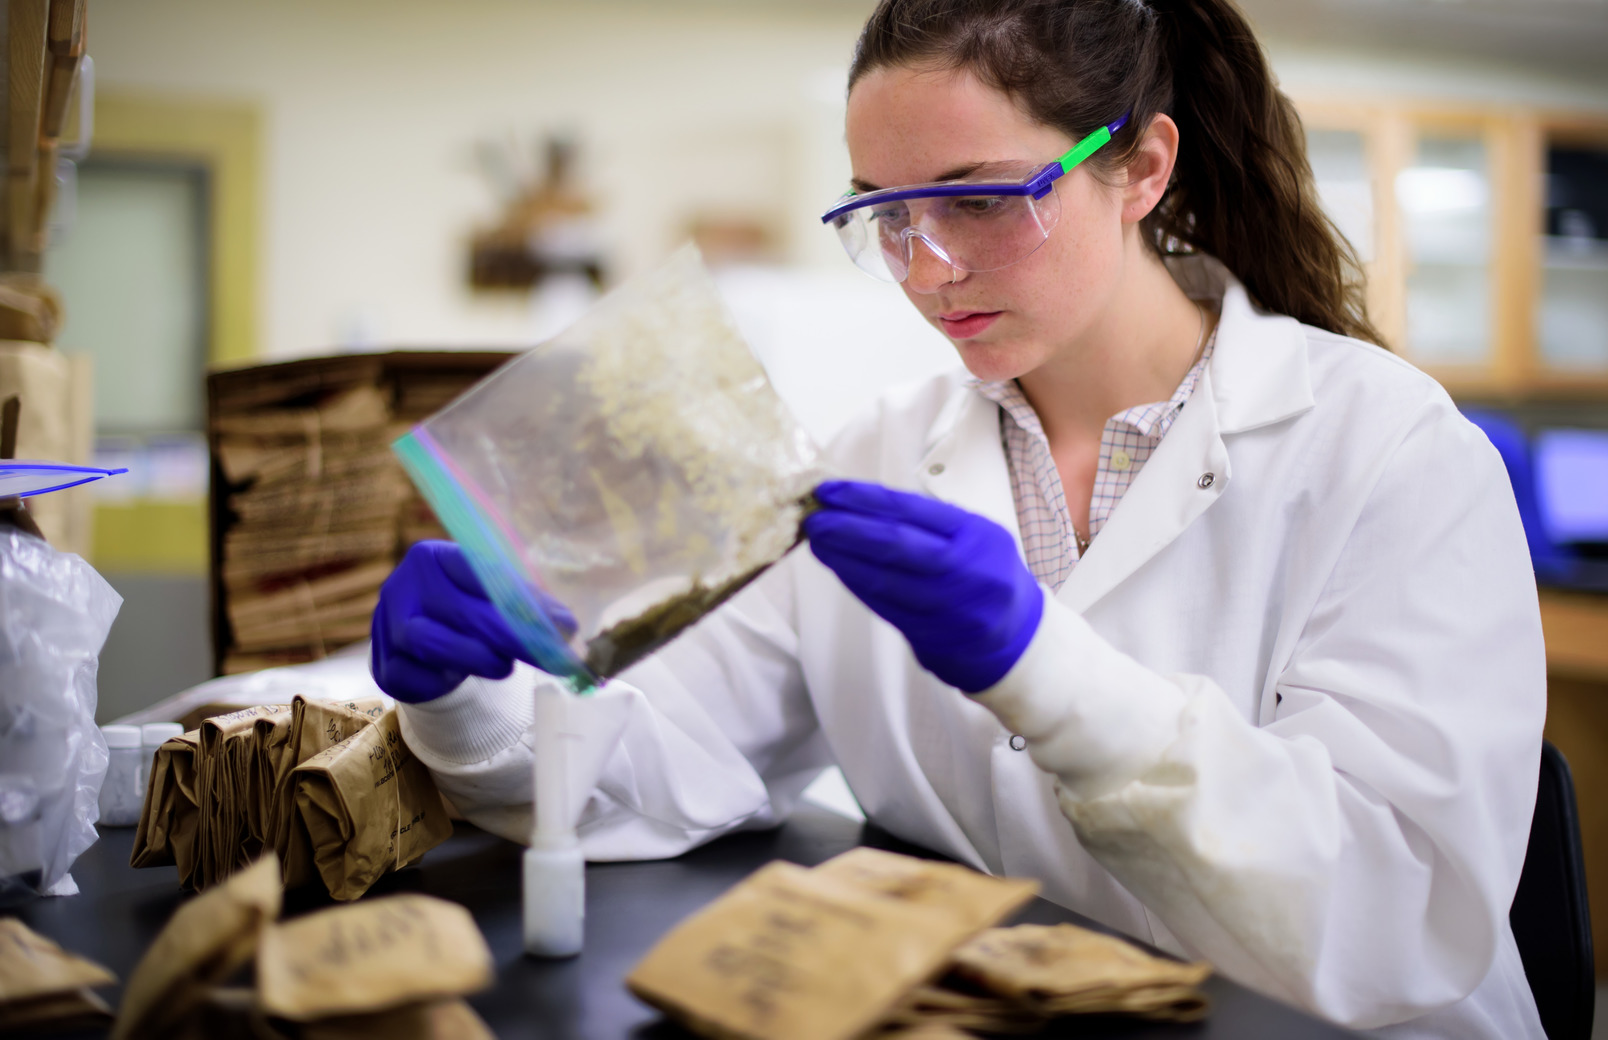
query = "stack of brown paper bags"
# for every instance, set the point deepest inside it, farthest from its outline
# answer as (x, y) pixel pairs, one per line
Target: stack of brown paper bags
(394, 968)
(314, 500)
(43, 986)
(872, 943)
(311, 508)
(330, 789)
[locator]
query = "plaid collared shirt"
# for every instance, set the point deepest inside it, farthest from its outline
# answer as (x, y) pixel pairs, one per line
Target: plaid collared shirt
(1129, 439)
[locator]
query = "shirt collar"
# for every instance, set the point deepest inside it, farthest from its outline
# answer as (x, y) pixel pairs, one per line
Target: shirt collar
(1150, 420)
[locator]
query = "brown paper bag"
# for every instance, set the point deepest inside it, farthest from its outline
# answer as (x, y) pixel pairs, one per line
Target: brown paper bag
(1015, 980)
(316, 726)
(170, 820)
(930, 884)
(346, 411)
(41, 983)
(369, 806)
(30, 310)
(78, 1009)
(228, 746)
(371, 956)
(942, 1007)
(922, 1031)
(271, 747)
(790, 954)
(225, 1013)
(1064, 969)
(33, 966)
(442, 1020)
(206, 941)
(1057, 960)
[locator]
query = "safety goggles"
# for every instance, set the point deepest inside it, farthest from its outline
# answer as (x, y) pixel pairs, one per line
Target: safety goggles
(971, 225)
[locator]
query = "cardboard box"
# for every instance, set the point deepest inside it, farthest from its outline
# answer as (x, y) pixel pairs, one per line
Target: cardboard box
(57, 423)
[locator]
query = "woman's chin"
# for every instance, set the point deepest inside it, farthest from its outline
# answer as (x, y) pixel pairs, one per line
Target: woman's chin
(994, 362)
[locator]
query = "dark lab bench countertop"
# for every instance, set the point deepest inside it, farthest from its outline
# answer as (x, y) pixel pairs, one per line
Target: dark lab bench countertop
(629, 906)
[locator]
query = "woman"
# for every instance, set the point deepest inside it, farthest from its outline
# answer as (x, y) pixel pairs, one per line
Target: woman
(1196, 604)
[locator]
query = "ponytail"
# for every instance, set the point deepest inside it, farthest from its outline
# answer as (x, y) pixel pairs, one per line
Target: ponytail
(1242, 189)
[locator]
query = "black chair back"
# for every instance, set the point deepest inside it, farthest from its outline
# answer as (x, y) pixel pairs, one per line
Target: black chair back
(1551, 918)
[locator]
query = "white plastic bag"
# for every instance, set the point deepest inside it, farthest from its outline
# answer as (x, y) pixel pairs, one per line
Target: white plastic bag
(55, 611)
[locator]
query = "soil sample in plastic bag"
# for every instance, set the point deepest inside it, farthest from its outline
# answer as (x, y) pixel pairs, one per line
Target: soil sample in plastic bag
(618, 482)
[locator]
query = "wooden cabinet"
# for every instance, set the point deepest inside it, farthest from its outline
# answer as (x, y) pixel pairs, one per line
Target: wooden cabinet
(1448, 209)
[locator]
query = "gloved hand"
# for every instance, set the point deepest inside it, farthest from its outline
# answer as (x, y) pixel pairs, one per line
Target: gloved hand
(950, 580)
(434, 627)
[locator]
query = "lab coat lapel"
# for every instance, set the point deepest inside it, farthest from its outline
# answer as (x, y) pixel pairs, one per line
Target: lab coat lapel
(1257, 376)
(965, 463)
(1188, 472)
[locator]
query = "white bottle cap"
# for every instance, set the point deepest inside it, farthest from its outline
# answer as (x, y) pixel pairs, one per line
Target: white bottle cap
(121, 736)
(154, 734)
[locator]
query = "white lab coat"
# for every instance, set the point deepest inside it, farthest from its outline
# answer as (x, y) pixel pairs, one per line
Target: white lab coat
(1285, 715)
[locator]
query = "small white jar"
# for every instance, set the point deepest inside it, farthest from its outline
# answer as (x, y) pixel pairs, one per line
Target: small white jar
(152, 736)
(122, 793)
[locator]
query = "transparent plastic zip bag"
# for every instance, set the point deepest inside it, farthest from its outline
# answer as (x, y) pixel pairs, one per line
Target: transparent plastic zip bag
(55, 612)
(619, 481)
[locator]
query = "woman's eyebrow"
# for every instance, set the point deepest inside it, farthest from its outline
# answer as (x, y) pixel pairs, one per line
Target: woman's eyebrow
(866, 187)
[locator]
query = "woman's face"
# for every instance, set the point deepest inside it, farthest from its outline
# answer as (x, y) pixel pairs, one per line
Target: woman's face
(907, 126)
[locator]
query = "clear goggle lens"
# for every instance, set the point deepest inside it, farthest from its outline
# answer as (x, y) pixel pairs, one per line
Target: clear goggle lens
(975, 233)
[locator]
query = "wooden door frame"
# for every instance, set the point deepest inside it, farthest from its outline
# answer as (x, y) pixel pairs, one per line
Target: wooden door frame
(225, 139)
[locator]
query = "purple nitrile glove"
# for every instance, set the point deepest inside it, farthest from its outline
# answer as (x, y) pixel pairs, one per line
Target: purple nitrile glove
(951, 581)
(434, 627)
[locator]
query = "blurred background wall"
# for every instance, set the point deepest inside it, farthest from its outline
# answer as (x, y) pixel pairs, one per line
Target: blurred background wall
(369, 115)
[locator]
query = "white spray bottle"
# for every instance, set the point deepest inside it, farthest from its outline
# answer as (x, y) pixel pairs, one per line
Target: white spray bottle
(574, 737)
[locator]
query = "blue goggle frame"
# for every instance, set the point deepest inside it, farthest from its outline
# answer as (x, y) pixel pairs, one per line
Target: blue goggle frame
(1037, 186)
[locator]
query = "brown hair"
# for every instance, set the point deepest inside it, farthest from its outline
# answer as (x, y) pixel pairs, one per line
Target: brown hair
(1242, 189)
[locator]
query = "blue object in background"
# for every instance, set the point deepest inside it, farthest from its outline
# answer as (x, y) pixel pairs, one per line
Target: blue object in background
(1551, 560)
(1571, 474)
(24, 478)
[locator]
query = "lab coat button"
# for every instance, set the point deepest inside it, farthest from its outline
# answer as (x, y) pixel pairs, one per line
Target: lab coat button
(936, 468)
(1206, 480)
(1018, 742)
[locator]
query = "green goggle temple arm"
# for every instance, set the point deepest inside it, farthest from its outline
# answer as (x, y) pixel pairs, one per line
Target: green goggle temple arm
(1040, 185)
